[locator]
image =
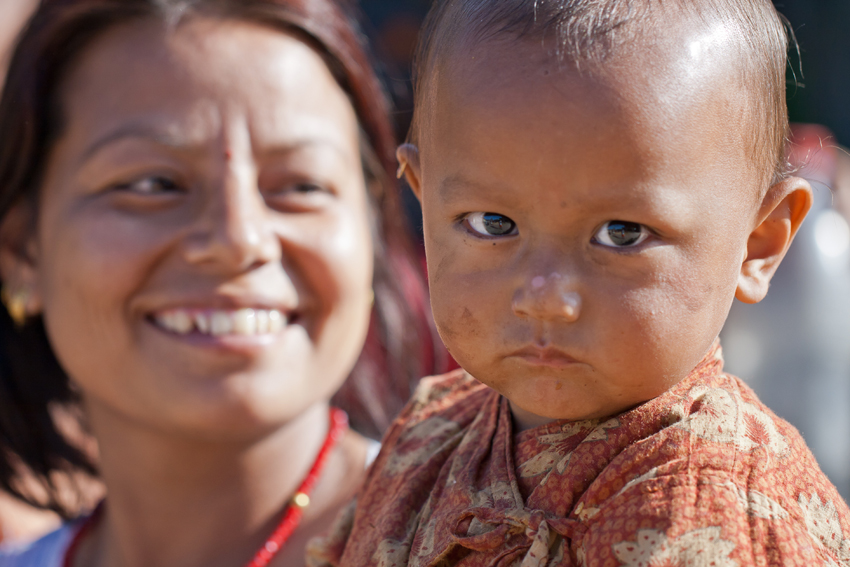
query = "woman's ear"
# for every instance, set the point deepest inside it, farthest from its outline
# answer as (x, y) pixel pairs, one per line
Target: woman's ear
(18, 255)
(408, 159)
(781, 213)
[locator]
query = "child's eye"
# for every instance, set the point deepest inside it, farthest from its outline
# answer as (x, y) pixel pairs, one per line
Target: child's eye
(621, 234)
(491, 224)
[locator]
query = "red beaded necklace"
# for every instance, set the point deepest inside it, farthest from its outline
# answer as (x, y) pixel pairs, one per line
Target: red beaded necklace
(291, 517)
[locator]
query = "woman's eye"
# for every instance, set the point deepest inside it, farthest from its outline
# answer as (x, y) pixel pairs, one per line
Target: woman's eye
(307, 188)
(621, 234)
(297, 189)
(491, 224)
(150, 186)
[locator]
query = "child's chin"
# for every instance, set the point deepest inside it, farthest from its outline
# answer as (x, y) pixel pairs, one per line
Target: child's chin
(541, 414)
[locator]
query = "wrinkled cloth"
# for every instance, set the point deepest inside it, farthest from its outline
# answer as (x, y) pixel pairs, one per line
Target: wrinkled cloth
(704, 475)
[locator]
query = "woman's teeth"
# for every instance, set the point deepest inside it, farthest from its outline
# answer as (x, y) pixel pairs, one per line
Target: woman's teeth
(246, 322)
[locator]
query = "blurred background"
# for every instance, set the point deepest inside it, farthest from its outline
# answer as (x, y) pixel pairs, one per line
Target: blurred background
(794, 347)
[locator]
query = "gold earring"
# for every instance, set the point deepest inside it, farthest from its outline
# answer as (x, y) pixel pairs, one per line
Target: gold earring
(372, 297)
(16, 305)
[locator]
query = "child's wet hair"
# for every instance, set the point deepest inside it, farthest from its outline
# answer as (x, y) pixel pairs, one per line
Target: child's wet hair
(586, 32)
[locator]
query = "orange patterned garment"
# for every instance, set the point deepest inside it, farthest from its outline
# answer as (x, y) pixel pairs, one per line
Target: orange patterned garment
(704, 475)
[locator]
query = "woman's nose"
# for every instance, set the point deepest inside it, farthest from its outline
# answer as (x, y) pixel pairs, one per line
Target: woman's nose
(547, 298)
(232, 229)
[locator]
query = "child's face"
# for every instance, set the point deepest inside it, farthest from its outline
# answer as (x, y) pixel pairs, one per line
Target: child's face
(585, 236)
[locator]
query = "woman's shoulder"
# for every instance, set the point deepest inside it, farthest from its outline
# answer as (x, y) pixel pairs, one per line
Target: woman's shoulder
(48, 551)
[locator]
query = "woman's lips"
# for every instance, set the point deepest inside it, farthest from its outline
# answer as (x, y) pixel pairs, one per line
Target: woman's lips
(242, 322)
(544, 356)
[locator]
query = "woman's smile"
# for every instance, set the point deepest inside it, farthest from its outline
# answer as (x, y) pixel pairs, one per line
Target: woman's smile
(220, 319)
(248, 331)
(246, 322)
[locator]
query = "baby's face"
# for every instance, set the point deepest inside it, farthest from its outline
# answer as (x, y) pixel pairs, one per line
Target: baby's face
(584, 234)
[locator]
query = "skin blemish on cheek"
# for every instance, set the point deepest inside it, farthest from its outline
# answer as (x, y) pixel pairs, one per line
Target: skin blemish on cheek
(465, 325)
(228, 154)
(558, 385)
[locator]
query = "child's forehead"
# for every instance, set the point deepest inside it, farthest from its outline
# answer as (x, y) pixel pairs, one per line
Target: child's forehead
(664, 82)
(675, 103)
(680, 48)
(676, 52)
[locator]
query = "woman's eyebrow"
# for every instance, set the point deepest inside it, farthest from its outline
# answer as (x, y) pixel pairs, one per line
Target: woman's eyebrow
(163, 137)
(135, 131)
(288, 147)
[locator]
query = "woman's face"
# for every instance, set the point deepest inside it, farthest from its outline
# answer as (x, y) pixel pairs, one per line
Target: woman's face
(203, 255)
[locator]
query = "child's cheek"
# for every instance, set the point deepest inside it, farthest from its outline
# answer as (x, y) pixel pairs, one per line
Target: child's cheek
(471, 304)
(456, 314)
(676, 318)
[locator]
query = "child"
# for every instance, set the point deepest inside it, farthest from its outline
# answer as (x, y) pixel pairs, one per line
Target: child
(599, 179)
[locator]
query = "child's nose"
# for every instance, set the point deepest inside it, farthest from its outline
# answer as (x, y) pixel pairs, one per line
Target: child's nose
(547, 298)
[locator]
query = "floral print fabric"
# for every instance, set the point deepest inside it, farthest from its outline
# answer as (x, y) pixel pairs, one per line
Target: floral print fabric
(704, 475)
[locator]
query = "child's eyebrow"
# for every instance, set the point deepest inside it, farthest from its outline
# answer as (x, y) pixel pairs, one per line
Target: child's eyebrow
(457, 186)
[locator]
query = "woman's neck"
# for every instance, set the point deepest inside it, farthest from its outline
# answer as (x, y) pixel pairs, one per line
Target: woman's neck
(188, 501)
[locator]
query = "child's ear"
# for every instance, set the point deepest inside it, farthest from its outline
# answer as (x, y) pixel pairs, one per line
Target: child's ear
(18, 265)
(408, 159)
(781, 213)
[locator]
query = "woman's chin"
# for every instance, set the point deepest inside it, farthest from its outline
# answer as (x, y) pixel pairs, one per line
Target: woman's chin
(237, 403)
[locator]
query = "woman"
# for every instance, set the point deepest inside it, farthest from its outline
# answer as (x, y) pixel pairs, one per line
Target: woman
(196, 221)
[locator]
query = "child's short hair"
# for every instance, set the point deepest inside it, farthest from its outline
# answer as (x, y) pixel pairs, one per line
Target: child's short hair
(586, 32)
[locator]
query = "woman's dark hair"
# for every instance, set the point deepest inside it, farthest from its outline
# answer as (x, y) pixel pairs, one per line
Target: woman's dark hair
(401, 345)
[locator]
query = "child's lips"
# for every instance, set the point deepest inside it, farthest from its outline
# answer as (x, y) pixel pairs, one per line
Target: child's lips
(544, 356)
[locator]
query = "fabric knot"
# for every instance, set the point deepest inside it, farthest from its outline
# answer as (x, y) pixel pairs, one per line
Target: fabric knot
(531, 536)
